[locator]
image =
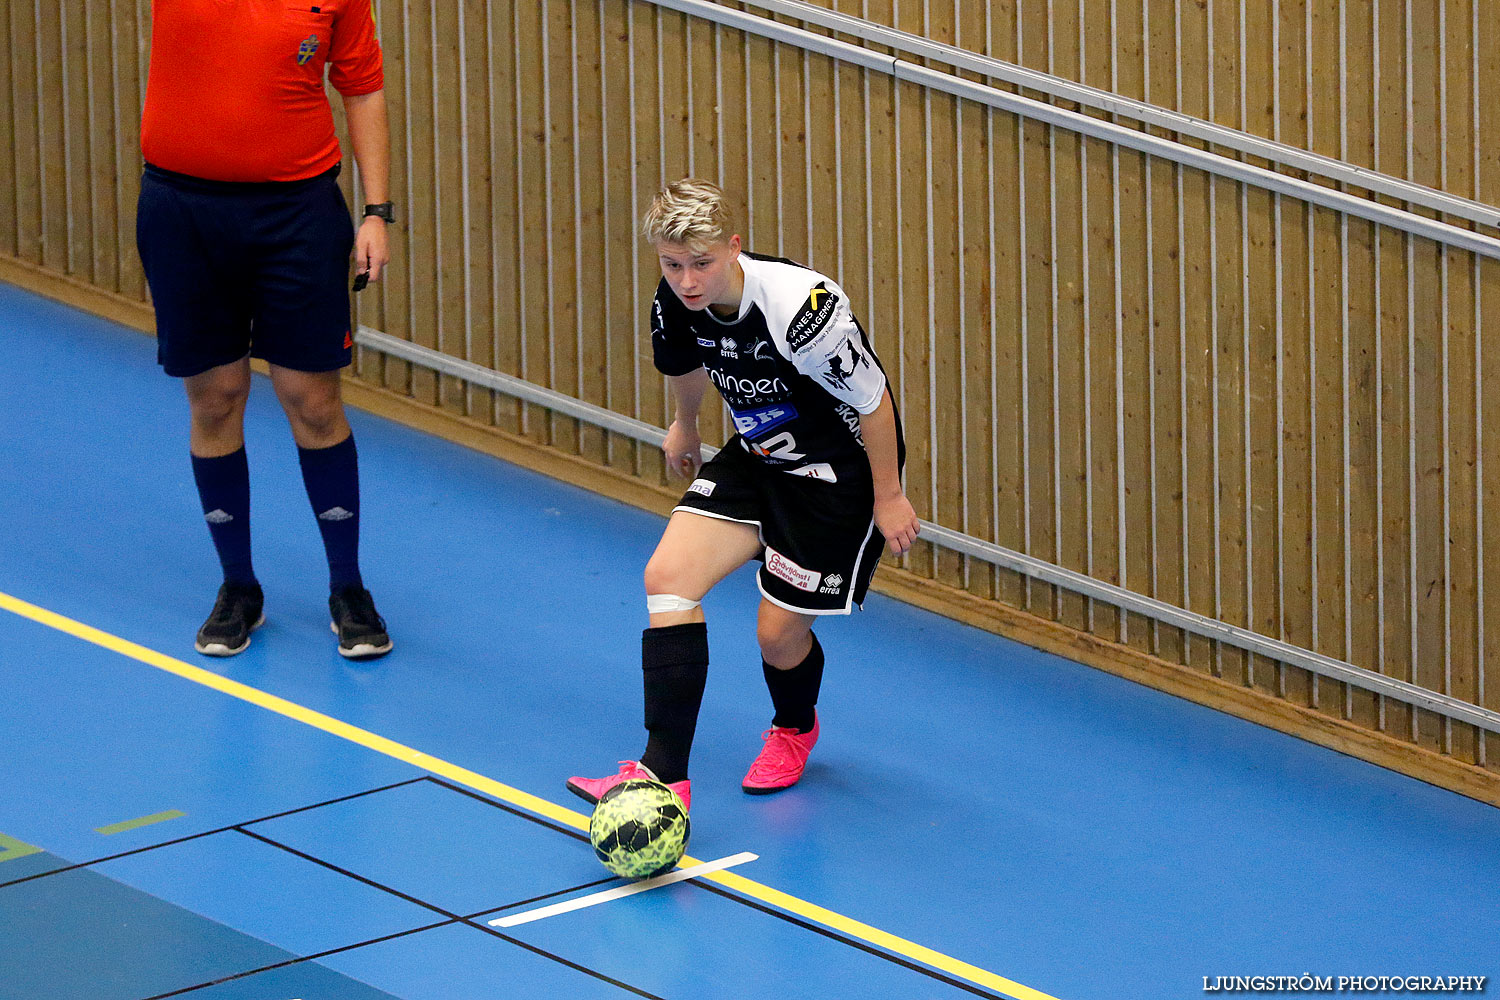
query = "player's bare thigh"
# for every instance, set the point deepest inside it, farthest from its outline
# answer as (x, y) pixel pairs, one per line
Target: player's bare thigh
(696, 552)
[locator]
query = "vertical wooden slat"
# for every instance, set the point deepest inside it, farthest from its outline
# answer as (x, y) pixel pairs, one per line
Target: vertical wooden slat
(26, 99)
(10, 111)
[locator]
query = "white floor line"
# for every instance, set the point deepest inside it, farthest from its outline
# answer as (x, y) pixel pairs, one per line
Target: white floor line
(621, 891)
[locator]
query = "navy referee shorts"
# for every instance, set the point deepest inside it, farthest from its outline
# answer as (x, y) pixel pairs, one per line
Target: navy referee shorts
(236, 269)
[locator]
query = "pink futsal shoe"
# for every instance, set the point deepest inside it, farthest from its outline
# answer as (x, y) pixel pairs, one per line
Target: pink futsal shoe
(781, 760)
(593, 789)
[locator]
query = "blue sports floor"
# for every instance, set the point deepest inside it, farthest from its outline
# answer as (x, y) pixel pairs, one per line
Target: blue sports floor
(979, 819)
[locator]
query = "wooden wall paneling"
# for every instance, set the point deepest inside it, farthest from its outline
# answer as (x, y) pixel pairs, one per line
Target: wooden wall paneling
(103, 181)
(534, 253)
(1037, 210)
(1430, 538)
(477, 206)
(422, 168)
(562, 218)
(392, 303)
(52, 148)
(10, 149)
(1197, 270)
(26, 99)
(1141, 496)
(763, 146)
(591, 255)
(451, 206)
(1362, 493)
(624, 309)
(75, 121)
(1102, 313)
(1071, 514)
(980, 420)
(656, 162)
(1328, 484)
(1167, 374)
(1487, 500)
(908, 359)
(1486, 97)
(948, 292)
(1461, 634)
(1009, 329)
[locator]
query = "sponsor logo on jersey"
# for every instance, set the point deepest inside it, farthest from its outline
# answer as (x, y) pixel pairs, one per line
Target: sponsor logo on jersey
(752, 423)
(307, 49)
(779, 565)
(837, 374)
(761, 346)
(218, 516)
(729, 348)
(821, 471)
(850, 416)
(335, 514)
(748, 387)
(831, 584)
(812, 318)
(703, 486)
(779, 448)
(706, 342)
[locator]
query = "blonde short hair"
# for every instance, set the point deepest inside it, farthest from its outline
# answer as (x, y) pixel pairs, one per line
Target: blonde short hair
(690, 212)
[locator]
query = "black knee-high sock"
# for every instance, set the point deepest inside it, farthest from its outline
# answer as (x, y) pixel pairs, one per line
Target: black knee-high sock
(224, 490)
(331, 476)
(794, 691)
(674, 663)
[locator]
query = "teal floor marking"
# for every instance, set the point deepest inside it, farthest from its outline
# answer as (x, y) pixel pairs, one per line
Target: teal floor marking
(136, 824)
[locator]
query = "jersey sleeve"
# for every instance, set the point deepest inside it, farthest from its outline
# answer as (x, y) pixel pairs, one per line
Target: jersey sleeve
(827, 345)
(672, 346)
(355, 63)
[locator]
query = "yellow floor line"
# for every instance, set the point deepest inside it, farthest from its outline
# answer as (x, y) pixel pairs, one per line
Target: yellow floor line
(514, 796)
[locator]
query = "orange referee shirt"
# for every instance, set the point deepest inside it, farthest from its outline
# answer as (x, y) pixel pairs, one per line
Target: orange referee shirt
(235, 91)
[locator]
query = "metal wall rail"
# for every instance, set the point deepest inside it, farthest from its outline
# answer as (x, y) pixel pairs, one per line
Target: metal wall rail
(1119, 135)
(1209, 628)
(1146, 114)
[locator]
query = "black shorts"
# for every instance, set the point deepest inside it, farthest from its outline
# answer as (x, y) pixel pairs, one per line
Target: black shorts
(238, 269)
(821, 546)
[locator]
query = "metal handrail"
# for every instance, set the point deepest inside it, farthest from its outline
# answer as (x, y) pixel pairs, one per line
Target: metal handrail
(1165, 149)
(1147, 114)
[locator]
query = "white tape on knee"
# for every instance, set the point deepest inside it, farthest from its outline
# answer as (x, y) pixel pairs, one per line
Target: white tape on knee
(658, 604)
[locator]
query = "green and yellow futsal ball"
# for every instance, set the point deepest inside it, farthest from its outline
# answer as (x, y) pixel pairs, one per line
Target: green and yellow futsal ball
(639, 828)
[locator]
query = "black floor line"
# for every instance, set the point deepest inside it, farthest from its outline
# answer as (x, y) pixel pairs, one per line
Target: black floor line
(753, 904)
(208, 833)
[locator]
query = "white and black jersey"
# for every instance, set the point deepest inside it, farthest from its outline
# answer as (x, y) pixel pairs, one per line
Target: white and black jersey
(794, 367)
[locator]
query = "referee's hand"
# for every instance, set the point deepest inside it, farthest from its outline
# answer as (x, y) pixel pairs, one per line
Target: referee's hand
(897, 521)
(372, 248)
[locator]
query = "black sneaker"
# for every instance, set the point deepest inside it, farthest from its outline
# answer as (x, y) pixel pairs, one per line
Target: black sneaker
(358, 625)
(238, 611)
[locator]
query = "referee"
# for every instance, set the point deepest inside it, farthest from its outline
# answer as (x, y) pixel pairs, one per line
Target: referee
(246, 240)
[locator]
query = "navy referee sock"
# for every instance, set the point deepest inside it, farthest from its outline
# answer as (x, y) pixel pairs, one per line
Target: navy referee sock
(224, 490)
(331, 476)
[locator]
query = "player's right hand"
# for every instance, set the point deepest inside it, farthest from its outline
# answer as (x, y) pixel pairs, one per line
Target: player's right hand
(683, 449)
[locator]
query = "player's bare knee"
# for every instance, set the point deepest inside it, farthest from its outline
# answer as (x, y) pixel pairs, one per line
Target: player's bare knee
(665, 576)
(783, 642)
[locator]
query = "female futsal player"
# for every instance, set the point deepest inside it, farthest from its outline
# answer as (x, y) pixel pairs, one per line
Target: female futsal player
(810, 484)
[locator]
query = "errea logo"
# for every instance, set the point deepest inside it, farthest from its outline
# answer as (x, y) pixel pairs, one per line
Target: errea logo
(831, 584)
(728, 347)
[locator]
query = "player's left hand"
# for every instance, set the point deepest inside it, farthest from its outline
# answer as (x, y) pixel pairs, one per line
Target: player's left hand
(897, 521)
(372, 247)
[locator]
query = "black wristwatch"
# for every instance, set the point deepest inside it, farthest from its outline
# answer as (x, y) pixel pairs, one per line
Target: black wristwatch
(385, 210)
